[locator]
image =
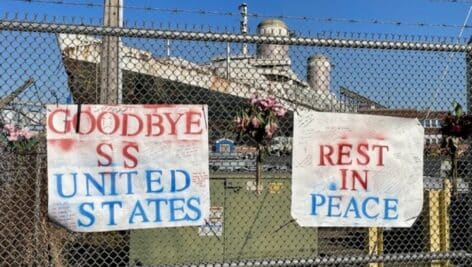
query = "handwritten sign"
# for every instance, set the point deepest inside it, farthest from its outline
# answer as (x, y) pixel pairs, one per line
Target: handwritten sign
(356, 170)
(127, 166)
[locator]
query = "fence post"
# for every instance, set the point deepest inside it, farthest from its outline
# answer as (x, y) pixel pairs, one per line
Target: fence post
(110, 69)
(439, 232)
(375, 244)
(468, 59)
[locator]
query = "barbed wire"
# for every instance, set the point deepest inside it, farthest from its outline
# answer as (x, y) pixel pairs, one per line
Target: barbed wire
(454, 1)
(445, 72)
(254, 15)
(142, 24)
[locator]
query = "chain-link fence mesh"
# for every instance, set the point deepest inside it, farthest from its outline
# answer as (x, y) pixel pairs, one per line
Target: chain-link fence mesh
(55, 64)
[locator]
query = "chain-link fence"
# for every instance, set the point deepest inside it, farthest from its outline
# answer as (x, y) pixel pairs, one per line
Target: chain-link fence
(43, 63)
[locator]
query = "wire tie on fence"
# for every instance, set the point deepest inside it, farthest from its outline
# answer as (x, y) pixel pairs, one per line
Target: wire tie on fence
(79, 110)
(204, 117)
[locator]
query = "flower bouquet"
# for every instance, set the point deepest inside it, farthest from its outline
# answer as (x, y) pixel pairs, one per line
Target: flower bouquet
(456, 128)
(259, 121)
(17, 140)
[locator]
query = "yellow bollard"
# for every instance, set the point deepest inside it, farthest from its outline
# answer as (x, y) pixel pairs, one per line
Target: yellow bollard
(439, 233)
(375, 244)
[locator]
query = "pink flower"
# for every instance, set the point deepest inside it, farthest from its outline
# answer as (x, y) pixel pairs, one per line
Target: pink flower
(270, 129)
(255, 122)
(254, 100)
(240, 123)
(263, 103)
(279, 110)
(25, 132)
(12, 132)
(267, 103)
(271, 101)
(12, 136)
(9, 127)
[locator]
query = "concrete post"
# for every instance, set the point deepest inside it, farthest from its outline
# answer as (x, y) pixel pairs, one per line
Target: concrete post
(111, 76)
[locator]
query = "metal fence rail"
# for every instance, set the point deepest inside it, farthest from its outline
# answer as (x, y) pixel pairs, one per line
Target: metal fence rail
(45, 63)
(228, 37)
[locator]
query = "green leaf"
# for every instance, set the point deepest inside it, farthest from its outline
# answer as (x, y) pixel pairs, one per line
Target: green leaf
(457, 109)
(3, 139)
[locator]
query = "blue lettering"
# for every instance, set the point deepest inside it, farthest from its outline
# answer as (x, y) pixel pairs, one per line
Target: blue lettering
(332, 205)
(150, 181)
(129, 180)
(111, 210)
(88, 214)
(364, 207)
(157, 202)
(99, 187)
(59, 185)
(173, 185)
(194, 208)
(315, 203)
(352, 207)
(389, 207)
(138, 211)
(174, 208)
(112, 183)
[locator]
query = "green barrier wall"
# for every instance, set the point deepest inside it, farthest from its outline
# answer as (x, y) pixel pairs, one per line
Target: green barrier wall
(254, 227)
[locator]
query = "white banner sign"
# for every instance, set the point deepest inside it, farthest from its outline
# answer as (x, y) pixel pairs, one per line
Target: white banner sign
(127, 166)
(356, 170)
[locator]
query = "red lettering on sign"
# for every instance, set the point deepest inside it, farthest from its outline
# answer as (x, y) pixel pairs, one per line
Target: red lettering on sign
(126, 125)
(128, 156)
(355, 177)
(51, 118)
(151, 124)
(380, 154)
(105, 155)
(344, 153)
(191, 121)
(326, 155)
(101, 121)
(173, 121)
(111, 122)
(362, 150)
(91, 119)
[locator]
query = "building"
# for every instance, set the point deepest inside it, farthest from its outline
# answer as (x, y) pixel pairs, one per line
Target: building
(357, 101)
(430, 120)
(224, 145)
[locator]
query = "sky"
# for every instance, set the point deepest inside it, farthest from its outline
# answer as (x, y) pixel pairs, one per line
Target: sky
(394, 78)
(405, 11)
